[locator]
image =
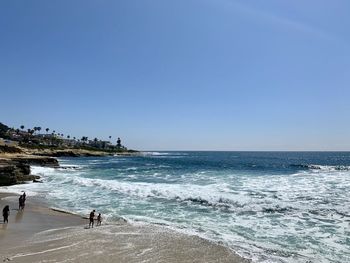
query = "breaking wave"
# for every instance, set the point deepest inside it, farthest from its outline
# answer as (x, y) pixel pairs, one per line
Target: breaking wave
(322, 167)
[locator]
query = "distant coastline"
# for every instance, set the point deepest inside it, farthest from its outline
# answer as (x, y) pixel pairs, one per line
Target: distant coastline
(20, 148)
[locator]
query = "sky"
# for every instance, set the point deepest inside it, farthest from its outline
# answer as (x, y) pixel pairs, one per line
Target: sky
(180, 75)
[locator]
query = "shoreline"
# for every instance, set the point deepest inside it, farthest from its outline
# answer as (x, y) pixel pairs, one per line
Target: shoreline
(16, 162)
(41, 232)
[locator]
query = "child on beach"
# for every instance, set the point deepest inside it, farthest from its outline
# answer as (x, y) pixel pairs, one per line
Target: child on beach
(99, 220)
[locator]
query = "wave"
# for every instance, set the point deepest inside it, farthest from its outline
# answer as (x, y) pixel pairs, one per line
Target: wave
(328, 168)
(169, 154)
(210, 196)
(39, 170)
(154, 153)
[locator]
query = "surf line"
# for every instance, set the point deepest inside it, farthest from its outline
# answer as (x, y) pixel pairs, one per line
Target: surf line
(43, 252)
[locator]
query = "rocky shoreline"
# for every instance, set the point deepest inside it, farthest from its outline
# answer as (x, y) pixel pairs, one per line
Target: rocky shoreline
(15, 170)
(15, 162)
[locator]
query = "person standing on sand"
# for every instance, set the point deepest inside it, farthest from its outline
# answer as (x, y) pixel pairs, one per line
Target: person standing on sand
(99, 220)
(20, 202)
(6, 213)
(24, 200)
(92, 215)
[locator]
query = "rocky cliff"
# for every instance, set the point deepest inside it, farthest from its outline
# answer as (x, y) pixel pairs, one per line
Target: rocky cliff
(17, 169)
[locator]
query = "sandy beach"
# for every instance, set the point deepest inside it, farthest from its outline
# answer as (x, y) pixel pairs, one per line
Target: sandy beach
(40, 234)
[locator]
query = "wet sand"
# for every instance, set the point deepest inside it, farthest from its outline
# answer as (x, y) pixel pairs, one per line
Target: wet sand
(40, 234)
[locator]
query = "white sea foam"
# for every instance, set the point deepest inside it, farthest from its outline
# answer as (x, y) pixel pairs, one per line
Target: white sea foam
(154, 153)
(264, 217)
(38, 170)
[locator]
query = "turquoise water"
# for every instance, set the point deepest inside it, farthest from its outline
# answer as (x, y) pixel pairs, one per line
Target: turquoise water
(268, 206)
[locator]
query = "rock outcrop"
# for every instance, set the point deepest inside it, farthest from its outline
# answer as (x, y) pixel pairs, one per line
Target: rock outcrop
(9, 149)
(70, 153)
(36, 160)
(8, 174)
(17, 169)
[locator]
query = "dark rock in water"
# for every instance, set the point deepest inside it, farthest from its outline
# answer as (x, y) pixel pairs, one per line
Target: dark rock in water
(14, 173)
(17, 170)
(69, 168)
(37, 181)
(8, 174)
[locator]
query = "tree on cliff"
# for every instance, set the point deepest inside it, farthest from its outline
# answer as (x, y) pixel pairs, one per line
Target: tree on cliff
(47, 130)
(37, 129)
(84, 139)
(22, 127)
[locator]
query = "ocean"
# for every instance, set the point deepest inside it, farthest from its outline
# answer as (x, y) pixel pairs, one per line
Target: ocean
(266, 206)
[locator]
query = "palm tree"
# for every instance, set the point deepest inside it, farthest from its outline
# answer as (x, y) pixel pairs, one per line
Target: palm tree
(39, 129)
(47, 130)
(84, 139)
(68, 136)
(22, 127)
(36, 129)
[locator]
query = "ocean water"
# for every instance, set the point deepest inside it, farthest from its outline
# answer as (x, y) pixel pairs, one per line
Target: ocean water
(267, 206)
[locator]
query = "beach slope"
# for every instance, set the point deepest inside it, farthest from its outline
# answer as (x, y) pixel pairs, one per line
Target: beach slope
(40, 234)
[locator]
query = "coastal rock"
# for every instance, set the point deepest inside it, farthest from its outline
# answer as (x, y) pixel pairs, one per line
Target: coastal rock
(13, 172)
(7, 175)
(9, 149)
(35, 160)
(17, 169)
(71, 153)
(65, 154)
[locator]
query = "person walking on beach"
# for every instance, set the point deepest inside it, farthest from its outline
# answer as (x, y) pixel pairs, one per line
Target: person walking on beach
(92, 215)
(6, 213)
(99, 220)
(20, 202)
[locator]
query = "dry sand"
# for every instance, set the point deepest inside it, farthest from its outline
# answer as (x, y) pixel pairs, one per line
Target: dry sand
(39, 234)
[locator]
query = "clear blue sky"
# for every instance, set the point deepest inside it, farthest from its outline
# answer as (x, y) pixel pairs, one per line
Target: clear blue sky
(180, 75)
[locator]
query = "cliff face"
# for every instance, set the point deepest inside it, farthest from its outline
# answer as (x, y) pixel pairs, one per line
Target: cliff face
(36, 160)
(17, 169)
(8, 175)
